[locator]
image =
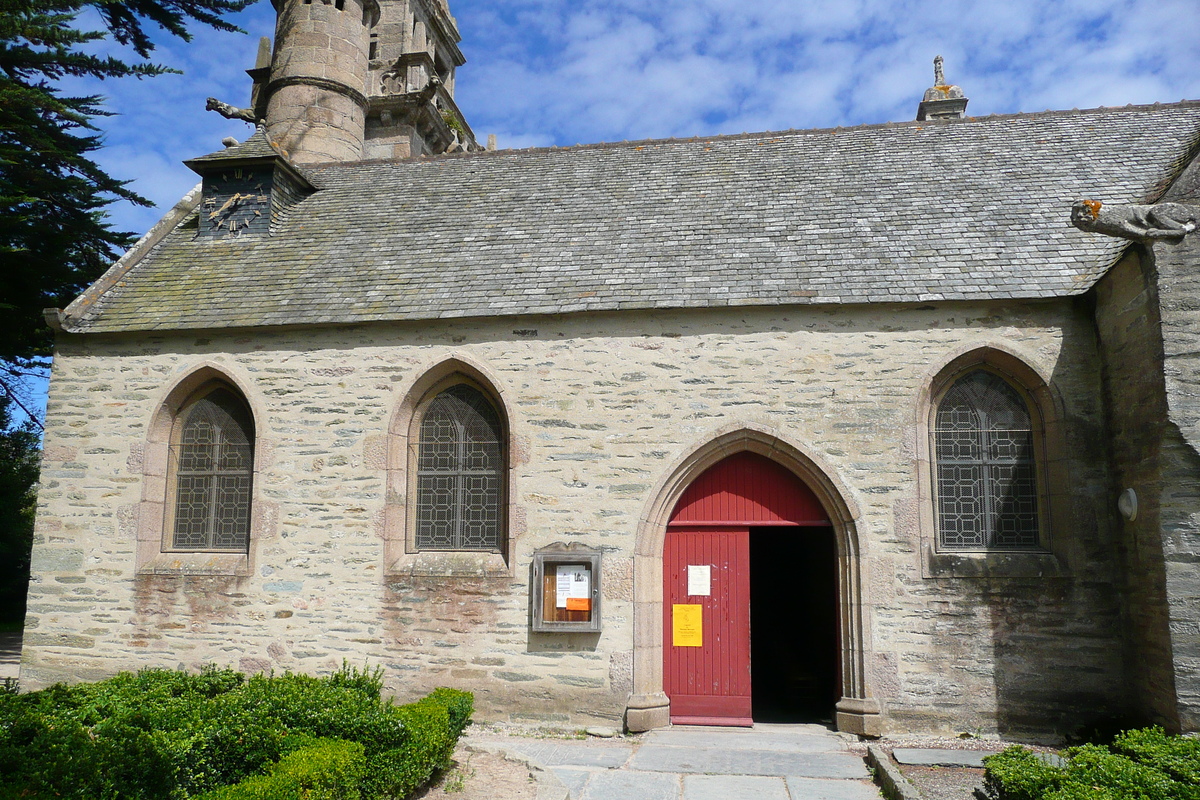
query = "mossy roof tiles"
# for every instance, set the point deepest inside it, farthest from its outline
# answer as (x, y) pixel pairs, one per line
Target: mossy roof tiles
(910, 212)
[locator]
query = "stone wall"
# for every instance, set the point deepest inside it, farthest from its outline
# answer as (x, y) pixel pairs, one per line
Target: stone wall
(598, 406)
(1148, 318)
(1131, 348)
(1178, 273)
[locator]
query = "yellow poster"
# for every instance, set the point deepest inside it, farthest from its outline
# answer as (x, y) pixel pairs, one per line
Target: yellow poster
(687, 626)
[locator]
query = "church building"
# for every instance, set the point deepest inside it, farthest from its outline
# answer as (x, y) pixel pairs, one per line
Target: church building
(894, 426)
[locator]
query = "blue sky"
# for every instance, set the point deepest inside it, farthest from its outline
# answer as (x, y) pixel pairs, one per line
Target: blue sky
(543, 72)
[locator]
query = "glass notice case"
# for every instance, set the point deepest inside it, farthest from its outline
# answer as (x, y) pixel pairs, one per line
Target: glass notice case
(566, 588)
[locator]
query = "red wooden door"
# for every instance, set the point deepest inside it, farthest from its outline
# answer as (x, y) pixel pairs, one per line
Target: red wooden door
(708, 684)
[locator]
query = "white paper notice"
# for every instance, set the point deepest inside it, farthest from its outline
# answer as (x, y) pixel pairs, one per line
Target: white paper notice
(700, 579)
(581, 584)
(563, 585)
(573, 581)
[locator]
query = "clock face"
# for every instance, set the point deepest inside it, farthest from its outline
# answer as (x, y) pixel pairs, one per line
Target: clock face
(236, 200)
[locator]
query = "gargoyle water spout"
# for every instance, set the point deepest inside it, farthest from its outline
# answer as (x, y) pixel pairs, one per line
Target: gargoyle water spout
(1168, 222)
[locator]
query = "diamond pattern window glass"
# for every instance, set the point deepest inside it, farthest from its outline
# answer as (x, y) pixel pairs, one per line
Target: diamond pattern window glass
(460, 469)
(985, 466)
(212, 464)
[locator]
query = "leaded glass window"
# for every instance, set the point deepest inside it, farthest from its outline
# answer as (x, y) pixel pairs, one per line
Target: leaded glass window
(460, 473)
(986, 470)
(212, 461)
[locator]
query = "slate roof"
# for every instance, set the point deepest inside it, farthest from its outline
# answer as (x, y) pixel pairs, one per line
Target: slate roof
(905, 212)
(256, 147)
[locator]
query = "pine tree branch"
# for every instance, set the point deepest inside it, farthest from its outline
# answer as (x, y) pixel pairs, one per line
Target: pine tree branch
(15, 399)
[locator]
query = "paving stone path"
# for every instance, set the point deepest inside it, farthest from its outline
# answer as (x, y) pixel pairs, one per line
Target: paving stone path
(767, 762)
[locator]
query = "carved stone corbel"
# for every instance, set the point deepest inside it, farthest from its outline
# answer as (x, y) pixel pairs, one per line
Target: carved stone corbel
(1168, 222)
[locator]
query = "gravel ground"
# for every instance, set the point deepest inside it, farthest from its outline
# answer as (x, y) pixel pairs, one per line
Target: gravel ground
(976, 743)
(946, 783)
(478, 775)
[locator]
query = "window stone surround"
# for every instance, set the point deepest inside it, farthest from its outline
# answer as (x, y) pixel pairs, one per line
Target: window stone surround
(155, 556)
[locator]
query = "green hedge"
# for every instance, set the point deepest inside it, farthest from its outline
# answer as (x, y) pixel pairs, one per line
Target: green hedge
(458, 705)
(1144, 764)
(164, 734)
(331, 769)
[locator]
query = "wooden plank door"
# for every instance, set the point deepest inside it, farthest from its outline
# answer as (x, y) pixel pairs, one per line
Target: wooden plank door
(708, 684)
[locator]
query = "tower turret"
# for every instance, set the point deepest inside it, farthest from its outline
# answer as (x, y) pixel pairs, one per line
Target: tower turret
(316, 98)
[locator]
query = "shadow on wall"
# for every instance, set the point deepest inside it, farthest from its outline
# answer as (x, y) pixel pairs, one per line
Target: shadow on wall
(1056, 660)
(10, 654)
(1057, 621)
(1163, 588)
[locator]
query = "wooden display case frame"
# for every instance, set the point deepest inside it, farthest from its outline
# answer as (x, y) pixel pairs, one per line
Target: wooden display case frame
(548, 614)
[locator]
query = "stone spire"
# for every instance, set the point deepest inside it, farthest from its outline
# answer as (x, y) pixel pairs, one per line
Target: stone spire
(942, 100)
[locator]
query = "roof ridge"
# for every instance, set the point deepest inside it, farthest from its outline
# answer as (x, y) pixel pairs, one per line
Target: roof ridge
(637, 143)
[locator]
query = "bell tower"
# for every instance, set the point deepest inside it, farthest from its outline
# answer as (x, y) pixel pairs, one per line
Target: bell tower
(355, 79)
(413, 55)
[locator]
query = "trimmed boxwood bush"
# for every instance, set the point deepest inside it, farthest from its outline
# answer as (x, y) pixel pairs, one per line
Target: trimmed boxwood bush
(166, 734)
(396, 771)
(458, 705)
(1144, 764)
(330, 769)
(1177, 756)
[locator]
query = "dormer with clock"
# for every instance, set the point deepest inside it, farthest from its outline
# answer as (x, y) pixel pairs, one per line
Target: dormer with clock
(245, 186)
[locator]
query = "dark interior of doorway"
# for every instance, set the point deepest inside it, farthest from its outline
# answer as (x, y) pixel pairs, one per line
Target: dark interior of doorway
(793, 624)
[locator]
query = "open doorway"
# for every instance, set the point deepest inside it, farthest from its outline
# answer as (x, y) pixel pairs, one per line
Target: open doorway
(718, 599)
(793, 623)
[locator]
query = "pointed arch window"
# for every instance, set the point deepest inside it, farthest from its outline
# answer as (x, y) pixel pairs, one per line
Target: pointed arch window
(211, 472)
(460, 457)
(985, 466)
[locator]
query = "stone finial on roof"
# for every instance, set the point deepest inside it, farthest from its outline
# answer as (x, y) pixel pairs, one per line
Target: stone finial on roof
(942, 100)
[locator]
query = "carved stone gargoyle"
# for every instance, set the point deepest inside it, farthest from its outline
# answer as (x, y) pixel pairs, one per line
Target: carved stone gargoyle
(1168, 222)
(229, 112)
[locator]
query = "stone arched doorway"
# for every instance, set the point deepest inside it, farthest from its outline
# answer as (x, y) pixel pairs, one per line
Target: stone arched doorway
(649, 706)
(750, 599)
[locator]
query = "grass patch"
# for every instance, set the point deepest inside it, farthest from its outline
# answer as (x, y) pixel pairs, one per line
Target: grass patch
(456, 779)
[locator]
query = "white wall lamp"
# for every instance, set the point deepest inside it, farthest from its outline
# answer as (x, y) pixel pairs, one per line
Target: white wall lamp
(1127, 504)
